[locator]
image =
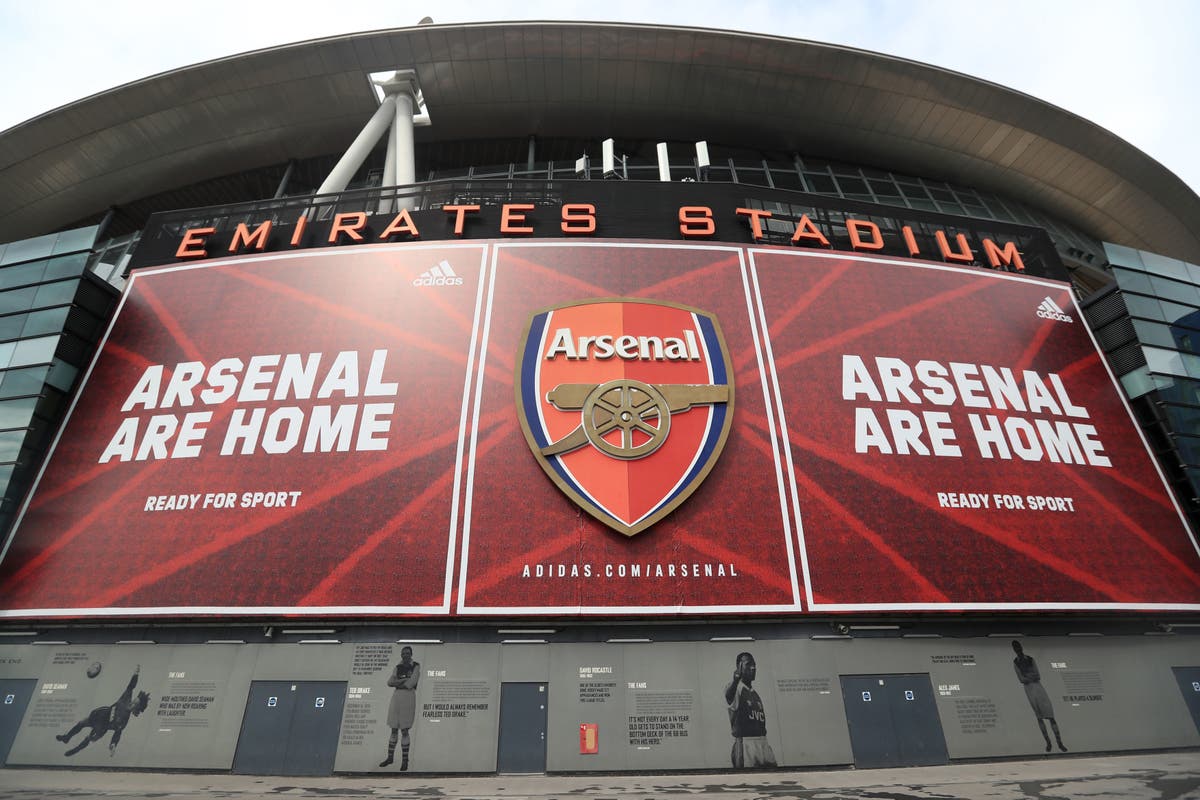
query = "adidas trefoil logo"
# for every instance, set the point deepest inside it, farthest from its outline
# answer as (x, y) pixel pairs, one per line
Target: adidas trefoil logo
(1048, 309)
(440, 275)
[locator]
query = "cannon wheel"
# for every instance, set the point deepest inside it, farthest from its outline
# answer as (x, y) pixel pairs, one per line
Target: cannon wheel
(626, 405)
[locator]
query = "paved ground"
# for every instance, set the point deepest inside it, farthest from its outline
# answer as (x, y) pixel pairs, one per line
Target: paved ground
(1159, 776)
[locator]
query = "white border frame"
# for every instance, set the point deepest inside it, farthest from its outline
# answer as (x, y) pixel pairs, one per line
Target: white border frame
(464, 609)
(243, 260)
(997, 275)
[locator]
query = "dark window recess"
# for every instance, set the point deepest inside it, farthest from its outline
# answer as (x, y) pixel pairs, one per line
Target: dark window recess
(1127, 358)
(1115, 334)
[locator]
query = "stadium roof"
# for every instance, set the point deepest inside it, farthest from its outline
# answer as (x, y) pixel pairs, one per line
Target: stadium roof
(593, 80)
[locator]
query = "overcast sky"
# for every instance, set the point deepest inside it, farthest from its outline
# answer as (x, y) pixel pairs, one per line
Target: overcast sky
(1131, 67)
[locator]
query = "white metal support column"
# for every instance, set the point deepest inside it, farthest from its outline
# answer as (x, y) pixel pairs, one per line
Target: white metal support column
(396, 112)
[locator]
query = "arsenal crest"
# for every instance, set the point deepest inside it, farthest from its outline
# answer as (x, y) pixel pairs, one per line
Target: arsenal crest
(625, 403)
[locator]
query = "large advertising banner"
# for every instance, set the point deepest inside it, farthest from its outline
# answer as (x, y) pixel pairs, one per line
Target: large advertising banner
(956, 441)
(639, 472)
(593, 427)
(262, 434)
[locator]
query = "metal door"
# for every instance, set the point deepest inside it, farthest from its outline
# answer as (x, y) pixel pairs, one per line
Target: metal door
(522, 746)
(316, 722)
(893, 721)
(1189, 684)
(286, 731)
(14, 697)
(872, 735)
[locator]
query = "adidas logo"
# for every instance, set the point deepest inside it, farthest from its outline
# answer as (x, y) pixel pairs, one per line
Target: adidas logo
(1048, 309)
(441, 275)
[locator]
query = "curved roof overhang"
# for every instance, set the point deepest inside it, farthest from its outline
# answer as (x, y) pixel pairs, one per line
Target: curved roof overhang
(590, 80)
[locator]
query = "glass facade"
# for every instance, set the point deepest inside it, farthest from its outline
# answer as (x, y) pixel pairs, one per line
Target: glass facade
(53, 309)
(813, 175)
(1148, 324)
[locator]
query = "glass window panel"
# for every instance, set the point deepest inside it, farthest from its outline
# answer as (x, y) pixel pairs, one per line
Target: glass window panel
(22, 274)
(1184, 419)
(11, 326)
(6, 472)
(1125, 256)
(820, 183)
(28, 381)
(1163, 265)
(40, 323)
(1189, 448)
(719, 175)
(852, 185)
(29, 249)
(70, 266)
(62, 375)
(783, 179)
(1191, 320)
(34, 351)
(17, 299)
(1140, 306)
(998, 209)
(78, 239)
(1155, 333)
(1176, 390)
(1174, 312)
(885, 189)
(56, 294)
(1167, 362)
(1191, 364)
(1174, 290)
(1137, 383)
(17, 413)
(1022, 214)
(1132, 281)
(10, 444)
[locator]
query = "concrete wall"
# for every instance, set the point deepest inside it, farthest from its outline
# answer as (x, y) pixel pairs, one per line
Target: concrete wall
(656, 705)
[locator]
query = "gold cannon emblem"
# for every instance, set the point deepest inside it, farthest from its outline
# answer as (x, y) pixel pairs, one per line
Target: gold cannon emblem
(615, 411)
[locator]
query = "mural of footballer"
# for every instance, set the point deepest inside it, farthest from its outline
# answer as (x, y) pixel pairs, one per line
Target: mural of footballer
(1031, 680)
(403, 708)
(747, 718)
(109, 718)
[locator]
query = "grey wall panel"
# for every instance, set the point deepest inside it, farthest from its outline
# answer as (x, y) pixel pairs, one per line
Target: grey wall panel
(456, 716)
(22, 660)
(656, 705)
(67, 696)
(809, 714)
(524, 663)
(196, 696)
(197, 711)
(309, 662)
(669, 706)
(587, 686)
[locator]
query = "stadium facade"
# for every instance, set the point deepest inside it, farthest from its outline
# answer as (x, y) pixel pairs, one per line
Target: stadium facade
(533, 397)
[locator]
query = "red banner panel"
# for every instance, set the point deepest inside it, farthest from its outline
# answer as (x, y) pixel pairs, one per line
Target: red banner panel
(957, 442)
(262, 434)
(529, 547)
(595, 428)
